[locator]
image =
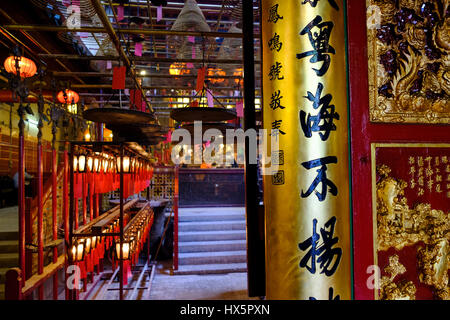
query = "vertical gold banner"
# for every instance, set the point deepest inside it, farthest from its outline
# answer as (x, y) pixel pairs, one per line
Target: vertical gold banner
(308, 250)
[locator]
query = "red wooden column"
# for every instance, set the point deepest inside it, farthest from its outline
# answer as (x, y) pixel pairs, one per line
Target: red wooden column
(91, 197)
(65, 192)
(364, 133)
(54, 218)
(95, 199)
(66, 208)
(83, 198)
(76, 213)
(98, 196)
(175, 221)
(40, 216)
(71, 292)
(21, 198)
(121, 225)
(29, 239)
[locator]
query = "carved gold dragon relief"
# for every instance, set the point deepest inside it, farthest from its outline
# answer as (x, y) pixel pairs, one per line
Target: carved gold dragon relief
(399, 226)
(409, 62)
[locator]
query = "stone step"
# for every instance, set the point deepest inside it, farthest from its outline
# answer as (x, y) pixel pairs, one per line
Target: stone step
(213, 216)
(222, 257)
(9, 235)
(211, 268)
(8, 260)
(2, 274)
(211, 226)
(212, 246)
(9, 246)
(212, 235)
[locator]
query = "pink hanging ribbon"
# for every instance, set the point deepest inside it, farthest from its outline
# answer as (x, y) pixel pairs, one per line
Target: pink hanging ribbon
(210, 98)
(159, 13)
(138, 49)
(120, 14)
(240, 109)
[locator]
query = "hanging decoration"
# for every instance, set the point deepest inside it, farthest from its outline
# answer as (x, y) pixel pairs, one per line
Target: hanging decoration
(178, 68)
(119, 76)
(216, 72)
(67, 96)
(26, 66)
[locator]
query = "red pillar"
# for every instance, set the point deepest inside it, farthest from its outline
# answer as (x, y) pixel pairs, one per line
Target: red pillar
(21, 205)
(55, 219)
(75, 212)
(66, 207)
(66, 193)
(83, 198)
(40, 219)
(175, 221)
(91, 199)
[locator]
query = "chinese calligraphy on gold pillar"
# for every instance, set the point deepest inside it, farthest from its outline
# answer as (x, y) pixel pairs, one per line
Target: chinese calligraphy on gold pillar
(305, 109)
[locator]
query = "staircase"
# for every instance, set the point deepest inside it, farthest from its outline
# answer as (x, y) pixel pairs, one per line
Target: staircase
(211, 240)
(9, 257)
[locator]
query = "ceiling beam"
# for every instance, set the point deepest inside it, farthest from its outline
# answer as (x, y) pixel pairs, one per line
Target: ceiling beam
(151, 75)
(147, 32)
(142, 59)
(109, 86)
(160, 96)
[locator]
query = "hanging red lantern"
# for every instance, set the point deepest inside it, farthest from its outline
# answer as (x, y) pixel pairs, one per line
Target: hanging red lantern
(27, 66)
(216, 73)
(70, 98)
(239, 72)
(178, 68)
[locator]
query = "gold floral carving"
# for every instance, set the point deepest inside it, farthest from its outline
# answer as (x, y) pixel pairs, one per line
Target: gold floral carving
(389, 290)
(399, 226)
(409, 62)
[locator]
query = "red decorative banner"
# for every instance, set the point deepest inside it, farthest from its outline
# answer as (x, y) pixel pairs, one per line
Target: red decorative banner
(119, 75)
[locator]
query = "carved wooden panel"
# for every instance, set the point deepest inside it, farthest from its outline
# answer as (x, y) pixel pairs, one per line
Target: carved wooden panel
(411, 225)
(409, 63)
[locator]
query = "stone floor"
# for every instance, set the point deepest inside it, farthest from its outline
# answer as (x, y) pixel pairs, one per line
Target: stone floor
(231, 286)
(9, 221)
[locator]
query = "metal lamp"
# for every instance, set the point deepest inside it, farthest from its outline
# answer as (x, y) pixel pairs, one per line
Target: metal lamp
(126, 164)
(126, 249)
(77, 251)
(79, 163)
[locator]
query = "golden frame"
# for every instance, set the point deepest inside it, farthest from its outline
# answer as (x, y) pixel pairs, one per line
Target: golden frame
(388, 110)
(373, 148)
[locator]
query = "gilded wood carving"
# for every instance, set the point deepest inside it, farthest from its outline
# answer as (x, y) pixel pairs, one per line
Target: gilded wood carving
(409, 63)
(398, 226)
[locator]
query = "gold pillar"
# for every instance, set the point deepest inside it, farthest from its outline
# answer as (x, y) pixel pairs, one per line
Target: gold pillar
(308, 249)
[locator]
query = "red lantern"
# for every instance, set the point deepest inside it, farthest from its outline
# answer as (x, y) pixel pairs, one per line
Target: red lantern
(216, 72)
(27, 66)
(70, 98)
(178, 68)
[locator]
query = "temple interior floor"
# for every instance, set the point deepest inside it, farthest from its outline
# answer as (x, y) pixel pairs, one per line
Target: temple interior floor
(164, 286)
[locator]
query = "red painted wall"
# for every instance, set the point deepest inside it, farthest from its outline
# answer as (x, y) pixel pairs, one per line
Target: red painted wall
(363, 133)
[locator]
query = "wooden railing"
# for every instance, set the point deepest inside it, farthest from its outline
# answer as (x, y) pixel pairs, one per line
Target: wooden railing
(16, 289)
(20, 284)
